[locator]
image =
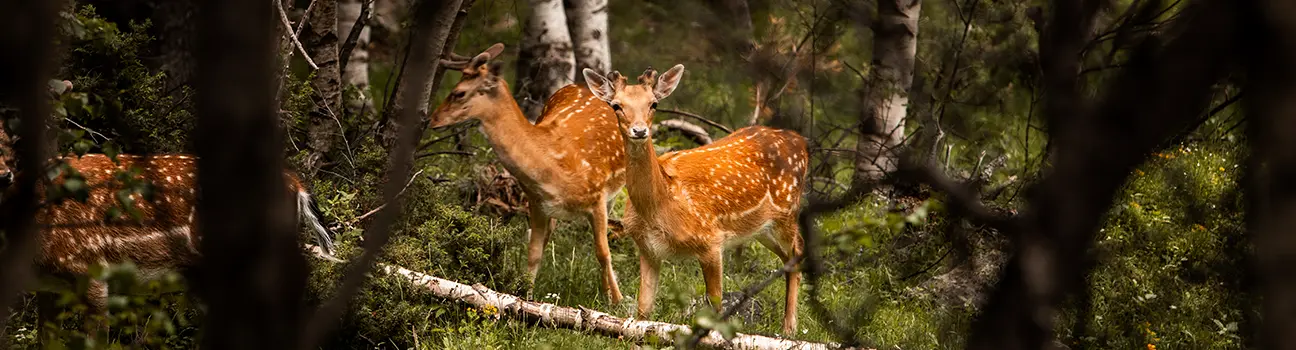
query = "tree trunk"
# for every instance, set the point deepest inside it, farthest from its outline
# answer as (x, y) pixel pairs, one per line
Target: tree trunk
(435, 38)
(253, 274)
(886, 92)
(390, 14)
(27, 32)
(321, 40)
(546, 62)
(356, 72)
(1270, 195)
(589, 32)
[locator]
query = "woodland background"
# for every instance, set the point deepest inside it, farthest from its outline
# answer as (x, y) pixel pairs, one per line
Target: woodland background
(1106, 135)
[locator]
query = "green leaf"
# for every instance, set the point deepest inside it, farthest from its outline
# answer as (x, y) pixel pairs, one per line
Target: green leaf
(82, 146)
(76, 187)
(111, 149)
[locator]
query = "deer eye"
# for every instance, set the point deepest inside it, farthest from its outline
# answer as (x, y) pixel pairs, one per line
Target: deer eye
(616, 107)
(458, 95)
(654, 106)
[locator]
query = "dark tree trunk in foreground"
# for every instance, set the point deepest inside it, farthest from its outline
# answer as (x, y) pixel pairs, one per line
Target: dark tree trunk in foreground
(886, 92)
(434, 39)
(253, 276)
(26, 60)
(546, 62)
(1271, 193)
(1162, 89)
(321, 40)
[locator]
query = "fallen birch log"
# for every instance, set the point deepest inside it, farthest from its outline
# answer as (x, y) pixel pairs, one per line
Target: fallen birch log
(579, 318)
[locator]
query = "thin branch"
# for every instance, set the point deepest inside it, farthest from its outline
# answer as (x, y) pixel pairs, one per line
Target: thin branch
(743, 299)
(92, 132)
(384, 205)
(283, 17)
(429, 154)
(726, 129)
(429, 144)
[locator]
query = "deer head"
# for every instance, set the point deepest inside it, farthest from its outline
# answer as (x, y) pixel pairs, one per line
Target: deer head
(478, 91)
(634, 104)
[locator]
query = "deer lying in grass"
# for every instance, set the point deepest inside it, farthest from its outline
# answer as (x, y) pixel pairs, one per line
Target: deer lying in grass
(570, 163)
(695, 202)
(76, 235)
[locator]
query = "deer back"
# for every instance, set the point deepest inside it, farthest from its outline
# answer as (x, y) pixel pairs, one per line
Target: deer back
(584, 141)
(742, 180)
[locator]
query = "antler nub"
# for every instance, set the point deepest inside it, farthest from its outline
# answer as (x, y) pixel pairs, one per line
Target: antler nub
(649, 77)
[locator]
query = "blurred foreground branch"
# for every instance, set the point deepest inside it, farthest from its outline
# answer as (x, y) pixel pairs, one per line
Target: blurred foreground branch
(26, 49)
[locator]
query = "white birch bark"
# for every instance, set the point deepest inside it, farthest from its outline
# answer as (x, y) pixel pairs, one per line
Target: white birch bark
(589, 32)
(886, 94)
(578, 318)
(546, 62)
(356, 72)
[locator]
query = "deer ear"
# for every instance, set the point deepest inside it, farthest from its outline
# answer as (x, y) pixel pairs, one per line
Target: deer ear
(495, 50)
(600, 86)
(667, 81)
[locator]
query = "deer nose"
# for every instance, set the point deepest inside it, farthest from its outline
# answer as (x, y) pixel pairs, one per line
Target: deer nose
(6, 178)
(638, 132)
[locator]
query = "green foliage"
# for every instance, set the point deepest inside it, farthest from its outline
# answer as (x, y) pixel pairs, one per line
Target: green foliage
(142, 314)
(115, 93)
(1169, 251)
(1172, 250)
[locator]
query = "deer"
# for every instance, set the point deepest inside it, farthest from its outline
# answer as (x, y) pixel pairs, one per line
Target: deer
(697, 202)
(76, 235)
(569, 163)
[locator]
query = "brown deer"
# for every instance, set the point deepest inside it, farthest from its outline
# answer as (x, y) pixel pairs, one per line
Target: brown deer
(697, 201)
(570, 163)
(76, 235)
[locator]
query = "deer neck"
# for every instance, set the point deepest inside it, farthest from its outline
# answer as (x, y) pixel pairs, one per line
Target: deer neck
(517, 142)
(646, 181)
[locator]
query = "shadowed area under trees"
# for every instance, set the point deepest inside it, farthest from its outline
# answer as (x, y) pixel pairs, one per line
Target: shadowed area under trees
(981, 174)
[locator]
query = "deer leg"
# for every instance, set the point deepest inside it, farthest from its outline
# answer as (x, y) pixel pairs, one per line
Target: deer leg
(598, 222)
(541, 226)
(713, 273)
(649, 268)
(789, 236)
(96, 299)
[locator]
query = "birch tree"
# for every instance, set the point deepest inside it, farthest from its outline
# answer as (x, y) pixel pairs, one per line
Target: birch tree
(546, 62)
(885, 94)
(588, 22)
(356, 72)
(321, 40)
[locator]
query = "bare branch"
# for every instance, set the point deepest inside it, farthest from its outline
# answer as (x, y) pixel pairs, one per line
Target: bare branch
(727, 130)
(384, 205)
(692, 131)
(283, 17)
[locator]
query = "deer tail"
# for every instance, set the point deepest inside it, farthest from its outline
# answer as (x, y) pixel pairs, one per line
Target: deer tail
(311, 215)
